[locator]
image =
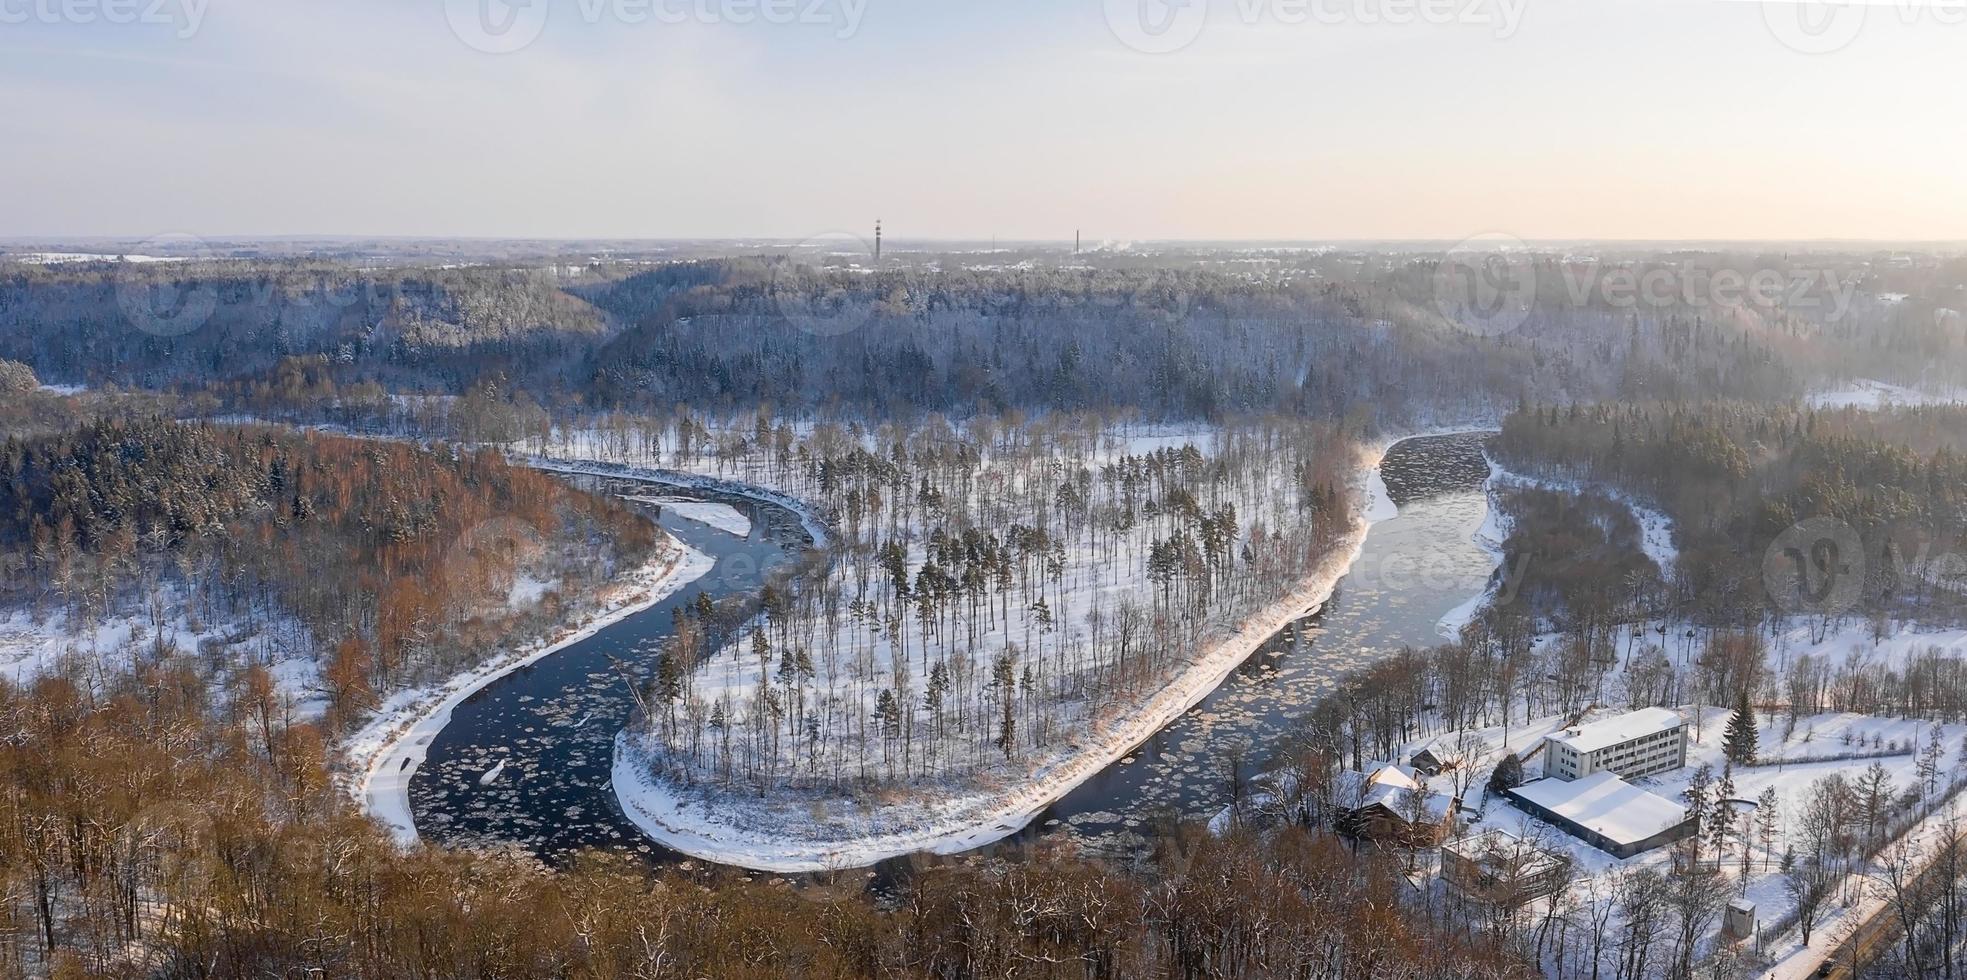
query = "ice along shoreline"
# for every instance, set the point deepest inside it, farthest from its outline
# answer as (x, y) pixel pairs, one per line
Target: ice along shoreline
(386, 752)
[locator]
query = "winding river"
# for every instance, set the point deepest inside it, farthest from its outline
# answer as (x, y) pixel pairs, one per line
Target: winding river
(552, 725)
(525, 762)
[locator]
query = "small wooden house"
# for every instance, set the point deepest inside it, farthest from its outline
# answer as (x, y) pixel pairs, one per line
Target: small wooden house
(1392, 804)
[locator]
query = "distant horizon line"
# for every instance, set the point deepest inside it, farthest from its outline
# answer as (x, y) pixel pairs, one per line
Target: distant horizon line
(890, 238)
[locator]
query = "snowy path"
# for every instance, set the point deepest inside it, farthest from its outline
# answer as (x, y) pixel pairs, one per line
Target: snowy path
(1839, 924)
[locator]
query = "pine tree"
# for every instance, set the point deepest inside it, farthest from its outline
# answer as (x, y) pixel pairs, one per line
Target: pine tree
(1508, 774)
(1006, 679)
(668, 687)
(888, 713)
(1739, 742)
(1698, 796)
(1721, 824)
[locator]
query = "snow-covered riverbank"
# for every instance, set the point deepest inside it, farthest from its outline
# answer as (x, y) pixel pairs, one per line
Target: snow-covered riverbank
(852, 835)
(810, 519)
(386, 752)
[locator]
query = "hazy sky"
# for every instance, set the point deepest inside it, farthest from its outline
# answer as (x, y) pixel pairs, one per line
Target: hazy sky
(1291, 119)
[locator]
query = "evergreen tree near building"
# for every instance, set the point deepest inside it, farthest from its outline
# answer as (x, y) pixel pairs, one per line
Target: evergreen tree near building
(1720, 820)
(1508, 774)
(1699, 794)
(1739, 741)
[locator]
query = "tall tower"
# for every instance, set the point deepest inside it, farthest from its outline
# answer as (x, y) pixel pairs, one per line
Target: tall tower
(1075, 241)
(877, 239)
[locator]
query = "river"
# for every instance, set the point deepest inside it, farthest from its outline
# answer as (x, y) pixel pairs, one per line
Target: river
(552, 725)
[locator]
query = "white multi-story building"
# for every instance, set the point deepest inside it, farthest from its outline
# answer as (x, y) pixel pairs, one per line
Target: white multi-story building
(1629, 746)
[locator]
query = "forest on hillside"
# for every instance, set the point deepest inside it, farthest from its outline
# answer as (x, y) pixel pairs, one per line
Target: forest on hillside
(1745, 484)
(383, 563)
(1172, 337)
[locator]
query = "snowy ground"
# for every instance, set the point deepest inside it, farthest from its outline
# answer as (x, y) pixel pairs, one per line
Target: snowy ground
(1813, 735)
(839, 833)
(386, 752)
(113, 644)
(1852, 645)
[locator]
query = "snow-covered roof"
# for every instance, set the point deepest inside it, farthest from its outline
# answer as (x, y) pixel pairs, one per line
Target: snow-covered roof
(1388, 786)
(1607, 805)
(1623, 728)
(1437, 747)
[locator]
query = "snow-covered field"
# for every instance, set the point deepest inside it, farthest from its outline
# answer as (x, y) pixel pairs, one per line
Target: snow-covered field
(1852, 646)
(65, 258)
(386, 751)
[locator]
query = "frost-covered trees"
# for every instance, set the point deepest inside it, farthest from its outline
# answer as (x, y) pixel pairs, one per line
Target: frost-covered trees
(387, 563)
(16, 377)
(995, 594)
